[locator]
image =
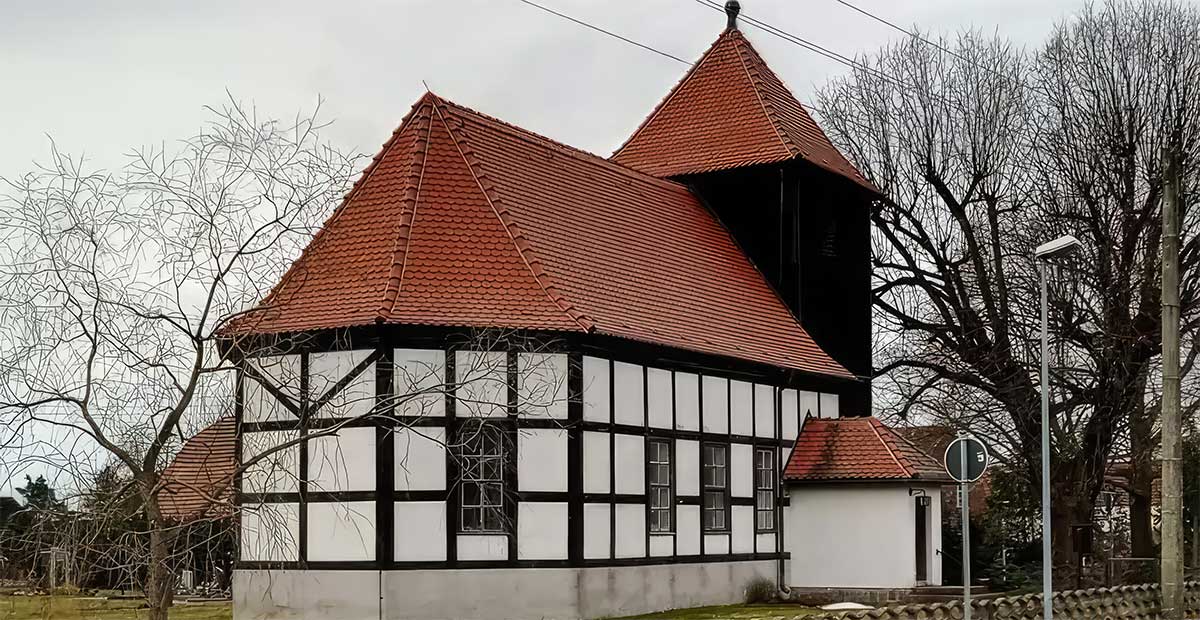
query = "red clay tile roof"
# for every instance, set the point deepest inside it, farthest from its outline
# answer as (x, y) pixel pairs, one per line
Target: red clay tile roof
(730, 110)
(857, 449)
(198, 483)
(463, 220)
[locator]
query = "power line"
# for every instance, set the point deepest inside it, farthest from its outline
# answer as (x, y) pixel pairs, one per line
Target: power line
(802, 42)
(910, 33)
(607, 32)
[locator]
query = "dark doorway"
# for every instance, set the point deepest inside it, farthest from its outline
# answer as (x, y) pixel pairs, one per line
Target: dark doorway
(921, 536)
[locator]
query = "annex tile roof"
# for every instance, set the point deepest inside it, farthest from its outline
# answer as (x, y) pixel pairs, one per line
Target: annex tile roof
(864, 449)
(730, 110)
(198, 483)
(466, 221)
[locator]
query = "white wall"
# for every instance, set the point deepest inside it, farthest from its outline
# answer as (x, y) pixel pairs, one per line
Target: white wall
(857, 536)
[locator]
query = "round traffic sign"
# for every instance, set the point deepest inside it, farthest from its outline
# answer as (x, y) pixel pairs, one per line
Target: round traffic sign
(976, 461)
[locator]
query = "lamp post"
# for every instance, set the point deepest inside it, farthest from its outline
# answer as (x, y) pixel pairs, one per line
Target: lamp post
(1044, 254)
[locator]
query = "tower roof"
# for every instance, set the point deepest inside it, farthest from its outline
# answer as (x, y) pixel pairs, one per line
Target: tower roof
(465, 221)
(730, 110)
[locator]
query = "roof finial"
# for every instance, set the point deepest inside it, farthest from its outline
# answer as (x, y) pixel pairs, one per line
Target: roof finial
(731, 9)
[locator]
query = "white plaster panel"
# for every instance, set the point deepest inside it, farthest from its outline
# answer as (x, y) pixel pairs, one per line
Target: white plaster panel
(542, 531)
(790, 427)
(259, 405)
(687, 467)
(326, 369)
(842, 524)
(282, 372)
(765, 542)
(716, 544)
(595, 462)
(741, 470)
(482, 379)
(597, 531)
(764, 410)
(277, 472)
(829, 406)
(628, 394)
(340, 531)
(716, 404)
(658, 397)
(420, 379)
(542, 459)
(542, 385)
(741, 407)
(596, 385)
(420, 532)
(420, 458)
(742, 531)
(631, 530)
(630, 463)
(687, 401)
(810, 405)
(662, 545)
(475, 547)
(342, 462)
(687, 530)
(270, 532)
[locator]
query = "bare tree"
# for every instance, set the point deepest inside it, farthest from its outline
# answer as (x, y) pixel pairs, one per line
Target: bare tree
(982, 152)
(116, 287)
(129, 321)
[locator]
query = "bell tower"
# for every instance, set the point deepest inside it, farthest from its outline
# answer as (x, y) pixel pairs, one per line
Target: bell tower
(733, 132)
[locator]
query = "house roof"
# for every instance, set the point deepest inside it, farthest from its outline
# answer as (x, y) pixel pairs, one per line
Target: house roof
(862, 449)
(198, 483)
(465, 221)
(730, 110)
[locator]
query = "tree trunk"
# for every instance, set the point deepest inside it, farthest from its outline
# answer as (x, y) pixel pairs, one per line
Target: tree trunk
(1141, 480)
(160, 572)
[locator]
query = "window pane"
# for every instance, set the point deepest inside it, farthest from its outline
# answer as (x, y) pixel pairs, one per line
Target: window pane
(470, 519)
(471, 495)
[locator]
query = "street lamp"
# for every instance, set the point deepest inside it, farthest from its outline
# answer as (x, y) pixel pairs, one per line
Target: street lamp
(1044, 254)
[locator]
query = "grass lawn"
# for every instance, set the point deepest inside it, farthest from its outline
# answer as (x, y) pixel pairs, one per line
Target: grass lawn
(81, 608)
(733, 612)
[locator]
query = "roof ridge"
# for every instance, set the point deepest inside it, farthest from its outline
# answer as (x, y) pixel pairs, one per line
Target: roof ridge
(408, 217)
(259, 312)
(567, 149)
(740, 44)
(662, 103)
(912, 445)
(874, 424)
(513, 229)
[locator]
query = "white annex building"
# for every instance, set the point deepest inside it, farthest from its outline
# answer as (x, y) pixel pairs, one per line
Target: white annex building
(518, 380)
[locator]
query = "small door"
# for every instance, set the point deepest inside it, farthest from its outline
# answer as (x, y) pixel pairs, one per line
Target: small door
(921, 537)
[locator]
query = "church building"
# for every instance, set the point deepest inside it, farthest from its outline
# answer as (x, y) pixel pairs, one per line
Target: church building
(520, 380)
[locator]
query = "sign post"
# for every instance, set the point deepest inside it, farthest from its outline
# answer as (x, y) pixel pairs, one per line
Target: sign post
(966, 459)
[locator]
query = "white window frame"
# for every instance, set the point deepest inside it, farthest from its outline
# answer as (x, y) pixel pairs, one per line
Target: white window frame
(715, 478)
(660, 492)
(764, 489)
(482, 461)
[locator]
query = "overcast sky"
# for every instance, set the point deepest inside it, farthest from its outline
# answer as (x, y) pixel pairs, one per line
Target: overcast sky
(103, 77)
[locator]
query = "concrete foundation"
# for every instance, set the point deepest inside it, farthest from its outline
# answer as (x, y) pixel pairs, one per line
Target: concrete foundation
(490, 594)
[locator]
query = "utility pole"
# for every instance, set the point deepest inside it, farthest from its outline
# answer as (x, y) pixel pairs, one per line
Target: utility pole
(1172, 472)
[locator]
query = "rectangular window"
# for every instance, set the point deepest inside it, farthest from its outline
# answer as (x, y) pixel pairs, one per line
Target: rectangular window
(482, 488)
(658, 473)
(716, 483)
(764, 489)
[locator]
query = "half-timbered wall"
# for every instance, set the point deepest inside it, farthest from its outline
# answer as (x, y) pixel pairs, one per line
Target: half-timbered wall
(385, 492)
